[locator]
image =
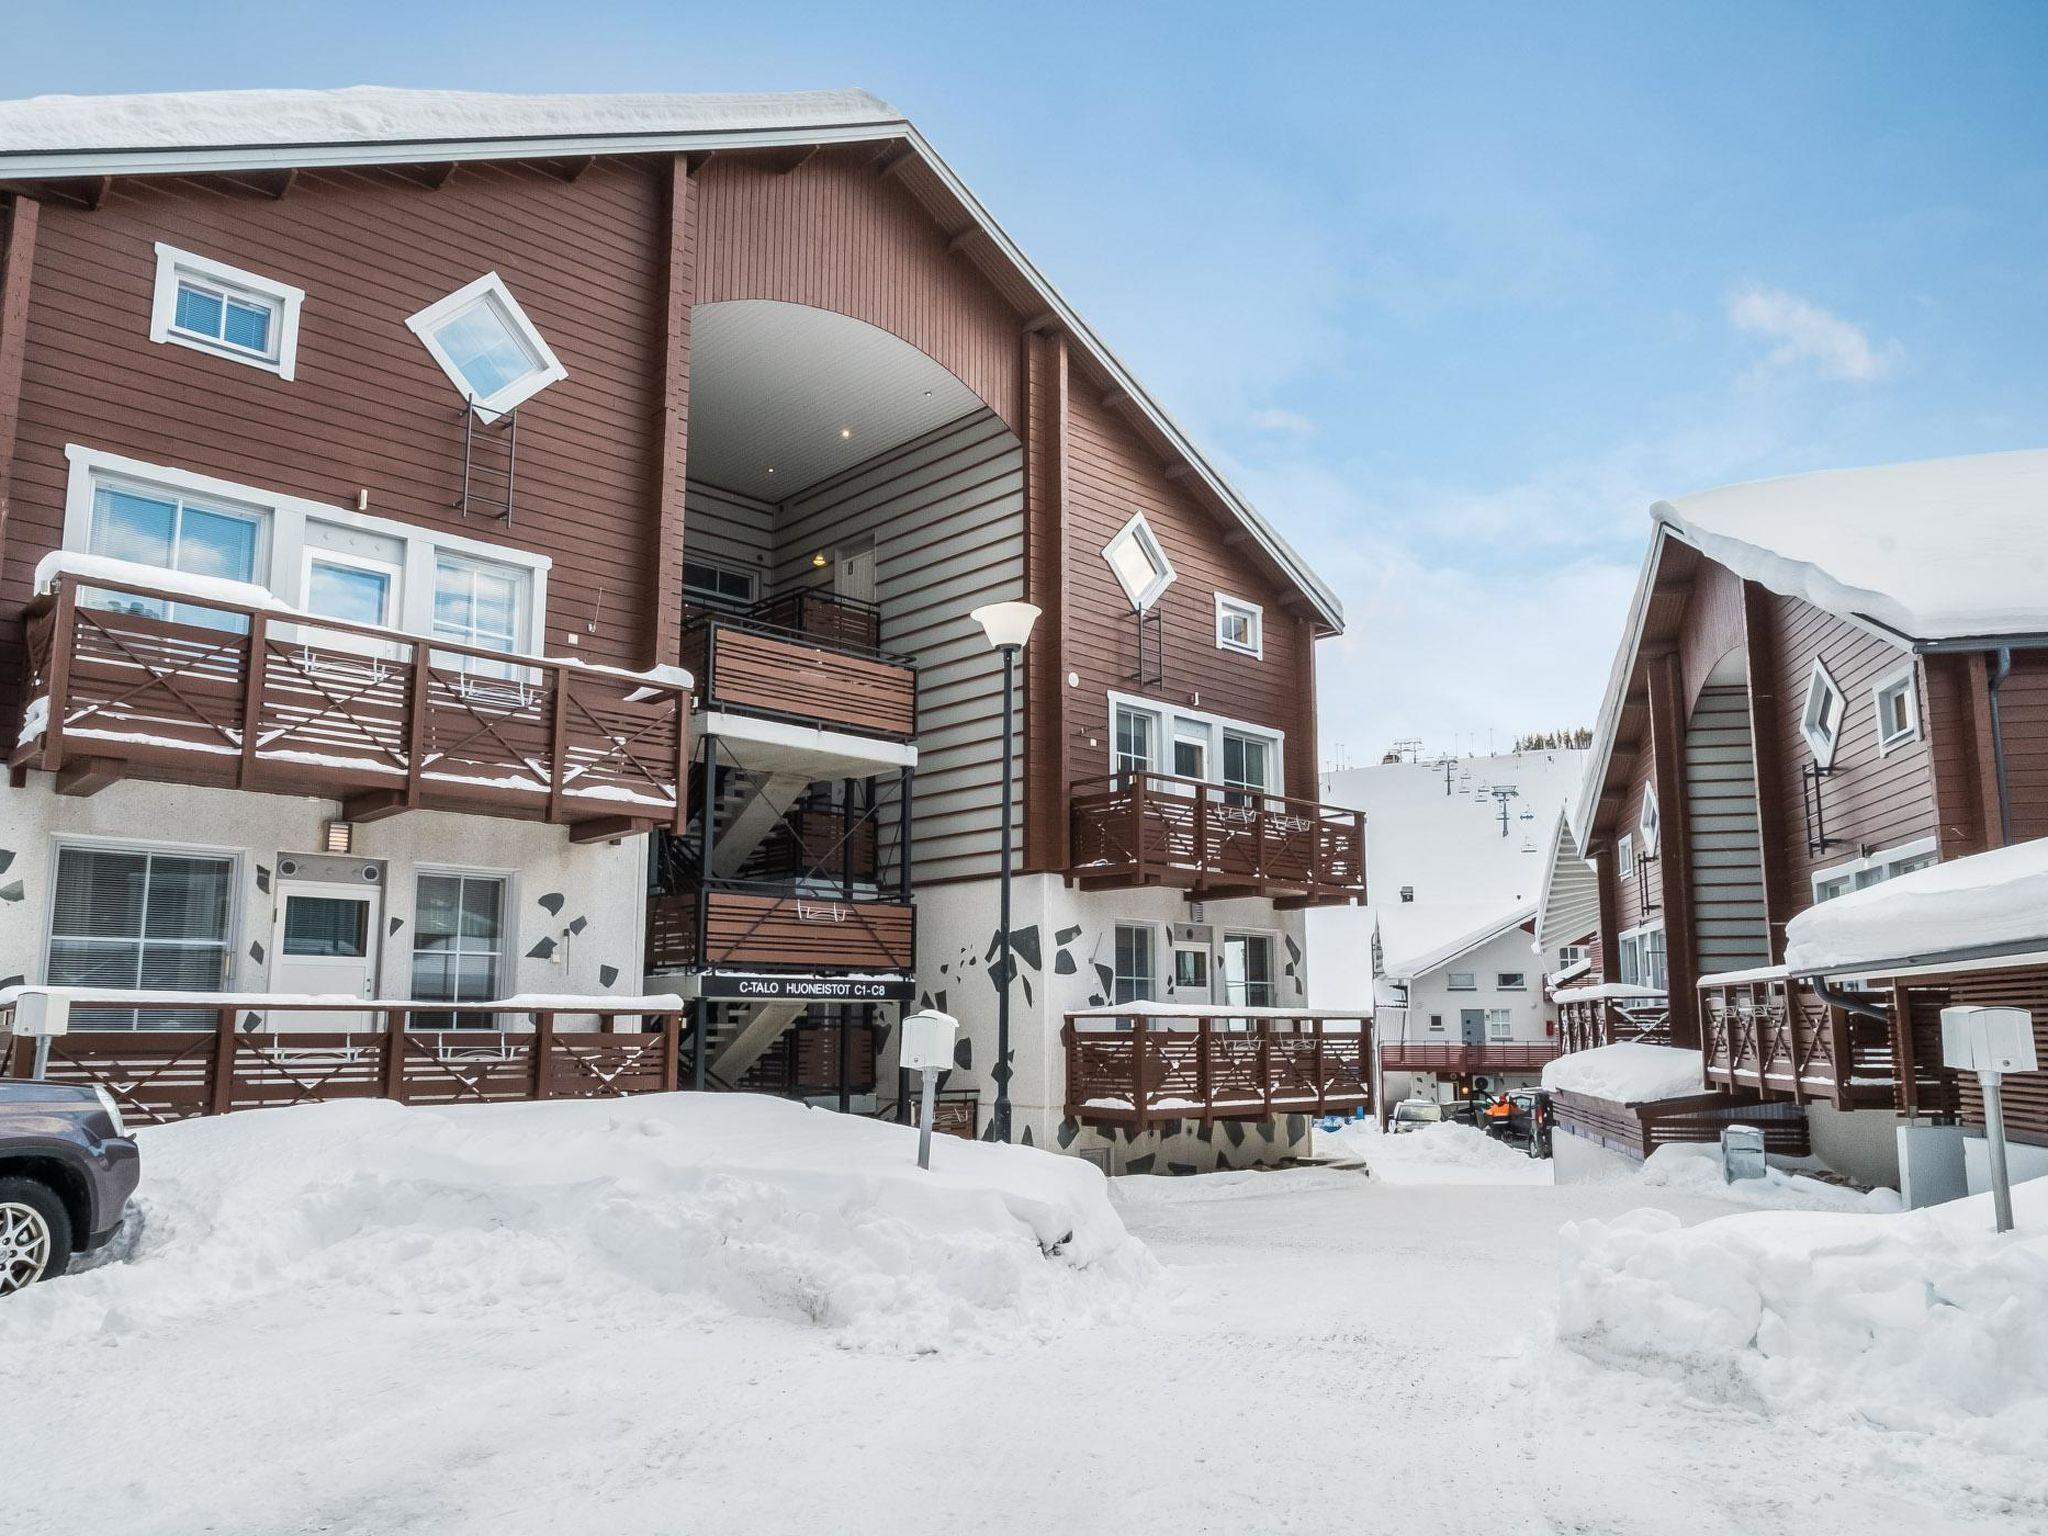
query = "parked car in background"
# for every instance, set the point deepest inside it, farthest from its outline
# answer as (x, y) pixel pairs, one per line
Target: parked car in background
(1414, 1114)
(67, 1168)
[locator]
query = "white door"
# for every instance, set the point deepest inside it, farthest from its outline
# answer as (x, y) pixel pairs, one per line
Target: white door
(325, 943)
(854, 576)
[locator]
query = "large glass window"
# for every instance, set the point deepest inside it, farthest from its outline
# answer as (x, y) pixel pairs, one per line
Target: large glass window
(172, 533)
(458, 946)
(1136, 980)
(481, 605)
(156, 922)
(1247, 766)
(1248, 969)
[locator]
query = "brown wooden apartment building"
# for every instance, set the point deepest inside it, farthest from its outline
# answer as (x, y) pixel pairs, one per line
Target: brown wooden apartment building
(1827, 683)
(421, 510)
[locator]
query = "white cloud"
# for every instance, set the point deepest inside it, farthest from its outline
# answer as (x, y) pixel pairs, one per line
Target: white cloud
(1283, 422)
(1806, 334)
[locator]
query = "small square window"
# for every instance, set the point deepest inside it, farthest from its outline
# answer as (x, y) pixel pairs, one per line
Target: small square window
(487, 347)
(1436, 1021)
(212, 307)
(1240, 626)
(1820, 722)
(1898, 712)
(1141, 566)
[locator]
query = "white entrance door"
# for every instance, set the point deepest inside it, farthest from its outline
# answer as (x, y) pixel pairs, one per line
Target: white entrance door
(325, 943)
(854, 576)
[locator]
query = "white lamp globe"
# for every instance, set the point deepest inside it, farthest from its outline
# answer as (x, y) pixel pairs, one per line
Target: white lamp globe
(1008, 625)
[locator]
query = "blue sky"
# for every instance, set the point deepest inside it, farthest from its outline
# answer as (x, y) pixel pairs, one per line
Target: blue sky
(1454, 291)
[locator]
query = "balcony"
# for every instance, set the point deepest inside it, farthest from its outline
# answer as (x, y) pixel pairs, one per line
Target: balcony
(1154, 829)
(733, 925)
(1452, 1059)
(1775, 1038)
(1164, 1063)
(804, 658)
(1612, 1014)
(131, 681)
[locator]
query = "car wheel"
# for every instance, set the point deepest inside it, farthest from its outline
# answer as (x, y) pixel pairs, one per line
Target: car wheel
(35, 1234)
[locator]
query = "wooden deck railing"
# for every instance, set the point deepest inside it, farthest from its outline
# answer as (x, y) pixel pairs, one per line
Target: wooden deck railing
(1206, 1070)
(1781, 1041)
(253, 1057)
(129, 681)
(1156, 829)
(754, 667)
(1636, 1130)
(1586, 1022)
(1463, 1060)
(778, 929)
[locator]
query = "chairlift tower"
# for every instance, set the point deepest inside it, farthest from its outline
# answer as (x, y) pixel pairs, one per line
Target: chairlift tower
(1503, 793)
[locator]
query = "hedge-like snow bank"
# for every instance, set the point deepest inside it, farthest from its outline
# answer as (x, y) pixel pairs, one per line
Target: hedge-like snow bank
(646, 1211)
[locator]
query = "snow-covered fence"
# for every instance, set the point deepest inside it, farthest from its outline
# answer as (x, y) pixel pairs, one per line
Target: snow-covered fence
(252, 1055)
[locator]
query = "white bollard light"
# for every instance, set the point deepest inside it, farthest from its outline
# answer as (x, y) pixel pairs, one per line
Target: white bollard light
(1991, 1042)
(926, 1048)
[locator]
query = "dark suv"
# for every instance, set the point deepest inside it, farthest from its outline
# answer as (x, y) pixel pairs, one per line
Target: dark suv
(67, 1168)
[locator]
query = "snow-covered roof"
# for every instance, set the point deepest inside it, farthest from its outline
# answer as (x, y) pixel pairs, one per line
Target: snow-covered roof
(1628, 1073)
(1576, 968)
(1464, 943)
(1985, 905)
(1935, 550)
(53, 137)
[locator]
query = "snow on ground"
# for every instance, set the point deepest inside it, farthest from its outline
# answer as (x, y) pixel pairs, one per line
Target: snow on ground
(635, 1318)
(1443, 1153)
(1923, 1322)
(1627, 1073)
(1695, 1169)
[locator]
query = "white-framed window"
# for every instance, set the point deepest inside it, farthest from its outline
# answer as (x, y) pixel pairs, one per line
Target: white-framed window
(459, 928)
(1248, 979)
(1643, 957)
(146, 918)
(1461, 981)
(1436, 1021)
(1572, 954)
(1247, 762)
(1190, 751)
(1885, 864)
(1651, 822)
(1897, 702)
(1139, 561)
(717, 586)
(212, 307)
(1135, 732)
(1500, 1023)
(1239, 756)
(1625, 854)
(487, 347)
(1191, 970)
(1511, 981)
(1820, 718)
(1240, 626)
(326, 560)
(1134, 976)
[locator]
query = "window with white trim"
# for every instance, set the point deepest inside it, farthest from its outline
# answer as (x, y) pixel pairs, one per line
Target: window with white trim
(488, 348)
(1625, 854)
(1651, 822)
(212, 307)
(1500, 1023)
(1135, 731)
(1643, 957)
(155, 921)
(1134, 978)
(1243, 758)
(1248, 970)
(1240, 626)
(173, 532)
(353, 588)
(1461, 981)
(1820, 719)
(1572, 954)
(1898, 711)
(1139, 562)
(478, 603)
(1885, 864)
(458, 946)
(1511, 981)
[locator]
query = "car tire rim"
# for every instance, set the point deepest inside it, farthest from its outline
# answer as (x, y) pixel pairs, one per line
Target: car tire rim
(24, 1247)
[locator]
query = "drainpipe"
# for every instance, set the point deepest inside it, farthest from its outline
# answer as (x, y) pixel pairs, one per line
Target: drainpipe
(1848, 1002)
(1998, 677)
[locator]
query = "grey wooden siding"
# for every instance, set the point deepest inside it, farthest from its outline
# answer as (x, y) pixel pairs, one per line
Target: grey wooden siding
(729, 529)
(1731, 929)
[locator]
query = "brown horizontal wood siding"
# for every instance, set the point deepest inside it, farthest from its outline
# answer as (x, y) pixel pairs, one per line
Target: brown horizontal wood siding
(777, 677)
(369, 408)
(1110, 476)
(2023, 723)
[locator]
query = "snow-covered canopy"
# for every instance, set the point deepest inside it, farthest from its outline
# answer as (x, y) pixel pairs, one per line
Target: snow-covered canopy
(1987, 904)
(1627, 1073)
(1940, 549)
(371, 114)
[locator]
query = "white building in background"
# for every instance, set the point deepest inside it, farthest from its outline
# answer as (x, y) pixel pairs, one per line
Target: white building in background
(1457, 850)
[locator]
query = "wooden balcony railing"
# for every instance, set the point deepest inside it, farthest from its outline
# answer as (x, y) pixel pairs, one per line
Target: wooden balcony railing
(1155, 829)
(777, 929)
(751, 666)
(1607, 1015)
(1457, 1059)
(1212, 1068)
(252, 1054)
(127, 681)
(1776, 1038)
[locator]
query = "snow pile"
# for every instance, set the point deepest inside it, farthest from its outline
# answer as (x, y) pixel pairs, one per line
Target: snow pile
(1694, 1168)
(1985, 902)
(644, 1212)
(1442, 1153)
(1627, 1073)
(1920, 1321)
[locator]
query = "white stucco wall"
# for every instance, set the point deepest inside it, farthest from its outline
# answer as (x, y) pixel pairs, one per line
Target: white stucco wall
(575, 914)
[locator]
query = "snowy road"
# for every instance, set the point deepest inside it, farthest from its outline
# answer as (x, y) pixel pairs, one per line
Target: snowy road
(1329, 1353)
